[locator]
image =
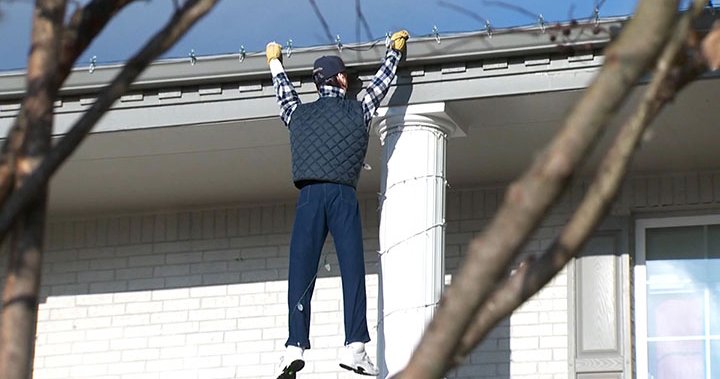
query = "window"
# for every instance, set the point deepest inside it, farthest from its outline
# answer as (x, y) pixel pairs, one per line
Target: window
(677, 297)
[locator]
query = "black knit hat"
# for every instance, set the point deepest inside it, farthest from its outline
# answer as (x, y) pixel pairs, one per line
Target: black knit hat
(327, 67)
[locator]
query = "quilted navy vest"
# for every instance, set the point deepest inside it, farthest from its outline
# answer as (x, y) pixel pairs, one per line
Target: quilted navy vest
(328, 141)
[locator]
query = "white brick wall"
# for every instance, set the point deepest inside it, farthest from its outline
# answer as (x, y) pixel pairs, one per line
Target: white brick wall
(519, 347)
(201, 294)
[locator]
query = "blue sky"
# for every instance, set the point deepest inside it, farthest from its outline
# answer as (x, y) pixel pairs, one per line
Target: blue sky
(252, 23)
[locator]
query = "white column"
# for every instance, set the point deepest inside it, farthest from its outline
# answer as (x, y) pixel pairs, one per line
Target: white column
(412, 226)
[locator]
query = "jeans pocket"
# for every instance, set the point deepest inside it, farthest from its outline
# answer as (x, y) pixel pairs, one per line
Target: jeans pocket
(348, 195)
(303, 198)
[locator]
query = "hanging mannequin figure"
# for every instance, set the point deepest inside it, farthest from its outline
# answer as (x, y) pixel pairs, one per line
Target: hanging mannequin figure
(328, 141)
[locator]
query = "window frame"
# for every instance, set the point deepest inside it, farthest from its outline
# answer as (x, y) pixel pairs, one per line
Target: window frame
(640, 278)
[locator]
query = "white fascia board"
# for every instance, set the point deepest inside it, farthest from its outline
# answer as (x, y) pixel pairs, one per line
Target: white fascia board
(174, 106)
(224, 68)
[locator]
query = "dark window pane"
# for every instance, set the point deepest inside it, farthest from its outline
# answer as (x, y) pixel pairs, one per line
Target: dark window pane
(714, 241)
(685, 242)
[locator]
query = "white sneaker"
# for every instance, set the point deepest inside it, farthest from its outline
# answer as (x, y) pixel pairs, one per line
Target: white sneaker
(291, 362)
(355, 358)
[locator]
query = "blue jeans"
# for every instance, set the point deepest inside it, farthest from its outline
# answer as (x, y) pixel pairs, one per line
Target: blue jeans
(323, 207)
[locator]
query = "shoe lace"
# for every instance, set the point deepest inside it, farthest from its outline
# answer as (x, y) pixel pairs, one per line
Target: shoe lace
(365, 358)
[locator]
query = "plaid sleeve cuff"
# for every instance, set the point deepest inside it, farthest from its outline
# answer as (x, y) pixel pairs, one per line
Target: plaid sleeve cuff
(286, 96)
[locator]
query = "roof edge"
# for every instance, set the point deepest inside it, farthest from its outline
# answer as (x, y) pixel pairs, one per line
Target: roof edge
(459, 47)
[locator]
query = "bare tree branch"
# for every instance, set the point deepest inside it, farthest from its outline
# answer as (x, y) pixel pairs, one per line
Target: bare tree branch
(85, 24)
(533, 274)
(531, 196)
(464, 11)
(361, 20)
(27, 152)
(180, 23)
(711, 47)
(22, 284)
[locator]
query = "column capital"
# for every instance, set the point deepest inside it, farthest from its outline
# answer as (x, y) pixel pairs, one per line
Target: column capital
(434, 115)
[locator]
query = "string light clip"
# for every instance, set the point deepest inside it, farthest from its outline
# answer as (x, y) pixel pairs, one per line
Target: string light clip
(289, 48)
(338, 42)
(597, 16)
(93, 64)
(193, 58)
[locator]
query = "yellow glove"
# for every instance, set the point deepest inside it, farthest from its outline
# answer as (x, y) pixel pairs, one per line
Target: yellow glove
(273, 50)
(398, 40)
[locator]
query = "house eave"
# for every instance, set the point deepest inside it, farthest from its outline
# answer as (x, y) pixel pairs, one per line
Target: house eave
(461, 47)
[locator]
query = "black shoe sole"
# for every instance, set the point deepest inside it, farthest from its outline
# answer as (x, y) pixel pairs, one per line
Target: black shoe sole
(291, 369)
(359, 370)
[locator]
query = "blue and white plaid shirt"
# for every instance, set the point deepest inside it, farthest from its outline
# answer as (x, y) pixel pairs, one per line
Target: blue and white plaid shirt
(288, 98)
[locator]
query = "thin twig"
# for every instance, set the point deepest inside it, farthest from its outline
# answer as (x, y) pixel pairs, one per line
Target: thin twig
(322, 20)
(512, 7)
(361, 20)
(464, 11)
